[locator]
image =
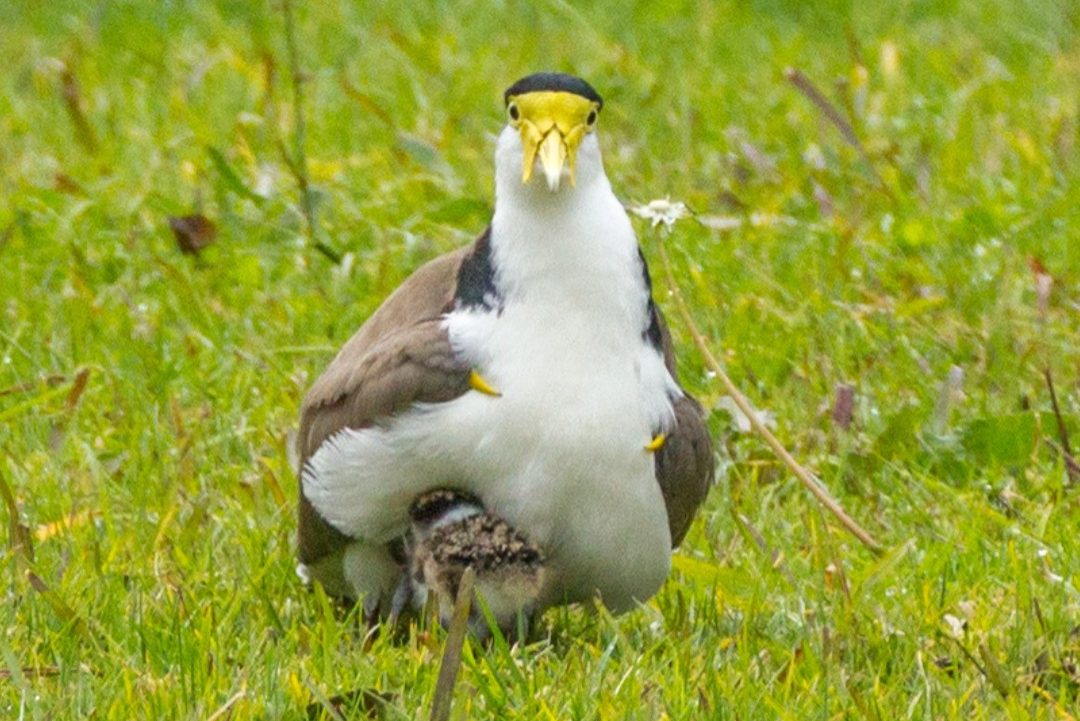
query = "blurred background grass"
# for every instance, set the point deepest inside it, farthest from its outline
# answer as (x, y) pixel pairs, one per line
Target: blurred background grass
(158, 497)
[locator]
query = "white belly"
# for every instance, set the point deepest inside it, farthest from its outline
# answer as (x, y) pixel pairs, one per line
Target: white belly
(560, 455)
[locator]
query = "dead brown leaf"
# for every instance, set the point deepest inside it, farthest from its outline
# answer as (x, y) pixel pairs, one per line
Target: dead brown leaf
(1044, 285)
(843, 410)
(193, 232)
(22, 543)
(32, 672)
(77, 388)
(66, 184)
(49, 380)
(73, 102)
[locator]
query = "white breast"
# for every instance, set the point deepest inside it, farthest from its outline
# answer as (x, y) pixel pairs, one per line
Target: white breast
(562, 451)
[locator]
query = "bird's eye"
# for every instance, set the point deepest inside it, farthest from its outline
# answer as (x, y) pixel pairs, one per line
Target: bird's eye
(513, 112)
(591, 120)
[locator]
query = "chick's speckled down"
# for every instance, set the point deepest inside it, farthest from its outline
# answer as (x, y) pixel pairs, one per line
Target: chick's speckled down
(485, 542)
(451, 532)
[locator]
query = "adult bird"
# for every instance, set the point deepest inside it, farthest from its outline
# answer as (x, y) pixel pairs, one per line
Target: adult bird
(530, 369)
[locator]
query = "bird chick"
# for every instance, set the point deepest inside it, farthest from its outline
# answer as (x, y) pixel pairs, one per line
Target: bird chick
(450, 532)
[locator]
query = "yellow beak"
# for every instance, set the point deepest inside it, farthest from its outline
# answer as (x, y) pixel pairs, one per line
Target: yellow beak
(552, 157)
(552, 125)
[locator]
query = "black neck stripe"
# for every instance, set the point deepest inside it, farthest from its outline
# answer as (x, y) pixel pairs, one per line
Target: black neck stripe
(652, 335)
(476, 278)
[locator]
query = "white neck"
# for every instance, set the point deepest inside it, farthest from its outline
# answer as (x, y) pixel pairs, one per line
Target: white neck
(574, 245)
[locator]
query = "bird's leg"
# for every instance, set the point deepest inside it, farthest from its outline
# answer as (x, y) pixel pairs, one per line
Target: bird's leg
(403, 597)
(478, 383)
(369, 611)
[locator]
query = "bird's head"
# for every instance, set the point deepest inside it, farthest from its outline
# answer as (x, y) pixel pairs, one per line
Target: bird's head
(440, 507)
(550, 122)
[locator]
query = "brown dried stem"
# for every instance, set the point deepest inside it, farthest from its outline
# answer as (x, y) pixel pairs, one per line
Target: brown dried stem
(805, 477)
(455, 641)
(1072, 469)
(297, 160)
(806, 86)
(19, 536)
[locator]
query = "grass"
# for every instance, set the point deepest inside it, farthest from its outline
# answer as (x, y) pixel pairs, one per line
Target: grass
(157, 499)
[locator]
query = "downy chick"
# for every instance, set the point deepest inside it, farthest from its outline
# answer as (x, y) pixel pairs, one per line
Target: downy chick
(450, 532)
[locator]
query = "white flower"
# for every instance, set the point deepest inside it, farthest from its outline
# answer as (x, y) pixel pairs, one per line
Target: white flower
(956, 626)
(264, 180)
(303, 574)
(662, 211)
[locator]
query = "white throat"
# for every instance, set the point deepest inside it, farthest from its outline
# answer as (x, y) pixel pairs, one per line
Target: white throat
(566, 264)
(579, 232)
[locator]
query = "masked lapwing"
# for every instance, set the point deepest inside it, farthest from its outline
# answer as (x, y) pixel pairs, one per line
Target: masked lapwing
(530, 370)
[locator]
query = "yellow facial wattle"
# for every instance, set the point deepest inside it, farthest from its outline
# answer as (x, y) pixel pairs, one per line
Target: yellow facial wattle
(552, 125)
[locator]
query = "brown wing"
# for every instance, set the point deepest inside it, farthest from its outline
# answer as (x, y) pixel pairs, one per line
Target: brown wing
(399, 357)
(684, 464)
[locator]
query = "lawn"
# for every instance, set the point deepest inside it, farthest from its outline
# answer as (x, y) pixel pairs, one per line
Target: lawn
(887, 201)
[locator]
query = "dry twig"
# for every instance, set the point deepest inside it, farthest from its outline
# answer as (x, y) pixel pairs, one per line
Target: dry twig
(1072, 468)
(775, 557)
(226, 707)
(297, 160)
(51, 380)
(805, 477)
(806, 86)
(455, 640)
